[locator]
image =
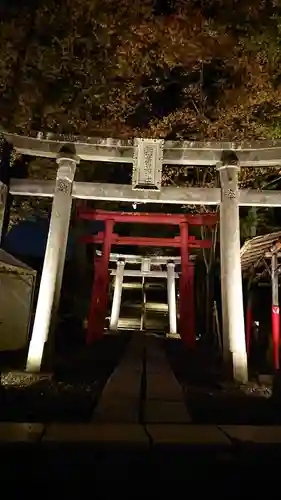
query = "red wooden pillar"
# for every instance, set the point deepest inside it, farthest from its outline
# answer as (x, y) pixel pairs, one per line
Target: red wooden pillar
(275, 311)
(187, 323)
(99, 299)
(275, 335)
(191, 305)
(95, 299)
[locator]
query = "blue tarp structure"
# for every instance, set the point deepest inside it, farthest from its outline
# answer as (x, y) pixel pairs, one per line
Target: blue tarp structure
(29, 237)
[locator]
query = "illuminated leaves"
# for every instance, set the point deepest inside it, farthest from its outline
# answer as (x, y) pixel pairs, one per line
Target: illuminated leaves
(82, 67)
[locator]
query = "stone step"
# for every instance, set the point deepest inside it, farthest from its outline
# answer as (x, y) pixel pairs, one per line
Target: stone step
(166, 412)
(12, 432)
(117, 409)
(97, 433)
(163, 386)
(126, 384)
(182, 435)
(120, 399)
(163, 398)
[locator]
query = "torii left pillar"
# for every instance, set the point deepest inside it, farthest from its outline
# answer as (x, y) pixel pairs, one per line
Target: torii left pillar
(52, 272)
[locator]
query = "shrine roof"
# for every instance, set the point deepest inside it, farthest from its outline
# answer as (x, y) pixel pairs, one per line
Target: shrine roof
(258, 248)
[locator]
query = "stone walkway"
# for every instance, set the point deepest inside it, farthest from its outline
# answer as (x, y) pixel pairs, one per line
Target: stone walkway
(143, 388)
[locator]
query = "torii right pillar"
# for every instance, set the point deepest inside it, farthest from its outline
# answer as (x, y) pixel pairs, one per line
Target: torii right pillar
(231, 276)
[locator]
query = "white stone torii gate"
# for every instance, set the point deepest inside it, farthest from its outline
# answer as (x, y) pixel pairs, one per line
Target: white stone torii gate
(147, 156)
(145, 271)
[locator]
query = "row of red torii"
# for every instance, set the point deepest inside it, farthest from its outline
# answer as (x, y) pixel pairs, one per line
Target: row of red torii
(185, 242)
(147, 156)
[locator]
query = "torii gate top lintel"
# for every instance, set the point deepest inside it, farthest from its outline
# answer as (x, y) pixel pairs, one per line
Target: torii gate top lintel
(147, 156)
(184, 241)
(249, 153)
(207, 219)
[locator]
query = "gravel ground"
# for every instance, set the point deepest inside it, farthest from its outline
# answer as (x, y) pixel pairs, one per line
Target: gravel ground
(209, 401)
(70, 395)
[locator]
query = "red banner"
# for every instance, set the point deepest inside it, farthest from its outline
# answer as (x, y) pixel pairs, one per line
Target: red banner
(275, 334)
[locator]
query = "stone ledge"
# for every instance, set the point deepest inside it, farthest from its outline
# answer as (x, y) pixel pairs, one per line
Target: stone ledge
(256, 435)
(106, 434)
(187, 435)
(184, 435)
(12, 432)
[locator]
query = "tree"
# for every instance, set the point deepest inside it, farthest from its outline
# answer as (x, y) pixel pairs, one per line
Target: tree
(181, 69)
(192, 70)
(177, 69)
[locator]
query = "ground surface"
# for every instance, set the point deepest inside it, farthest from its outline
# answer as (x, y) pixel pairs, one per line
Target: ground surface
(80, 375)
(71, 394)
(211, 400)
(117, 411)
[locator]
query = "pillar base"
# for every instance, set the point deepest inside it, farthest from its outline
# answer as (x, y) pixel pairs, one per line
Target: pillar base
(173, 336)
(240, 367)
(235, 368)
(111, 332)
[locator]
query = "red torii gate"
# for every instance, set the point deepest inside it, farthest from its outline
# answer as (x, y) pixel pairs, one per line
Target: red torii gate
(99, 300)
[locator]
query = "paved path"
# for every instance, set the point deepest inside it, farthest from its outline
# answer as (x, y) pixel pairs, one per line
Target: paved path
(143, 388)
(141, 431)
